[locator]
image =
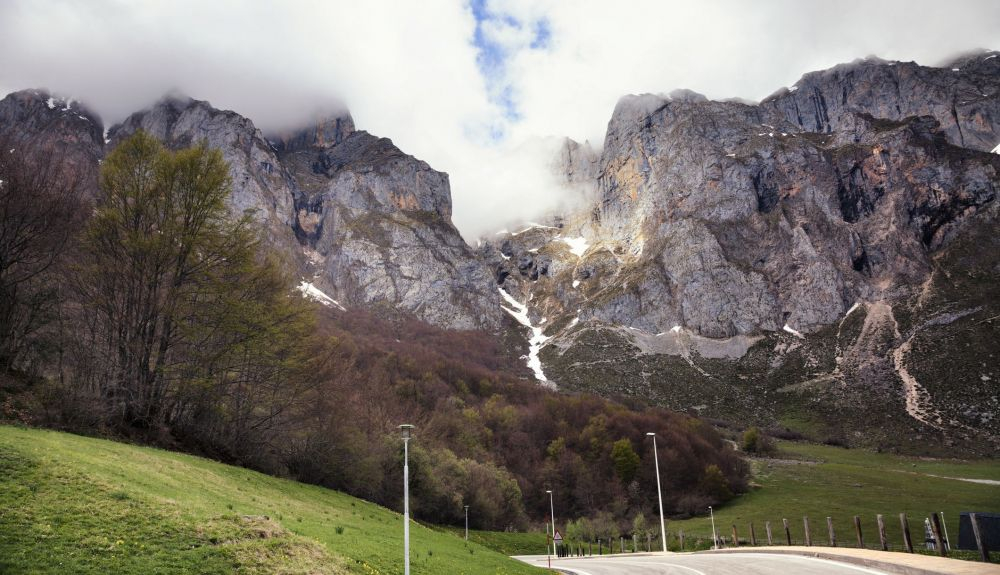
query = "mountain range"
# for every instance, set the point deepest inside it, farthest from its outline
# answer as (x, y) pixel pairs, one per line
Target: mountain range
(822, 263)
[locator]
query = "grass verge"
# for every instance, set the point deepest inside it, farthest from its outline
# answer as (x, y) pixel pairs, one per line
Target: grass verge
(71, 504)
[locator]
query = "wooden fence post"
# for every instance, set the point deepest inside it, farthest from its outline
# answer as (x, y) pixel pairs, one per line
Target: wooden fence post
(680, 535)
(936, 527)
(649, 542)
(767, 527)
(857, 529)
(736, 538)
(905, 525)
(753, 535)
(881, 532)
(805, 525)
(984, 553)
(788, 532)
(829, 528)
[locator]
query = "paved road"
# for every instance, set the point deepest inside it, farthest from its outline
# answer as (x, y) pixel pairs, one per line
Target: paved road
(702, 564)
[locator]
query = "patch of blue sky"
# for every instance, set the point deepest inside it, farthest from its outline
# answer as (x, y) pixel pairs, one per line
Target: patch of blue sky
(492, 55)
(543, 35)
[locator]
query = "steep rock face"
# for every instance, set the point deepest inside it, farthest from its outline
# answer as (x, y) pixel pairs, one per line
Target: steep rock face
(576, 164)
(377, 226)
(757, 224)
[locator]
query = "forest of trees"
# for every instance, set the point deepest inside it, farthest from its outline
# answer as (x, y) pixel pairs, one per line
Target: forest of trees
(150, 312)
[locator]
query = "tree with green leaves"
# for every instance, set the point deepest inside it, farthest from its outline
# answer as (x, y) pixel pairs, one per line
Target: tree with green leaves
(639, 526)
(757, 442)
(626, 460)
(715, 485)
(185, 321)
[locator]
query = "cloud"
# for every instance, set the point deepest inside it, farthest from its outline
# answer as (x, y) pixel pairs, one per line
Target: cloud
(477, 89)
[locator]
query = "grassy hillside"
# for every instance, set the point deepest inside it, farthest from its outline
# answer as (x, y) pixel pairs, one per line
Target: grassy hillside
(70, 504)
(508, 542)
(820, 481)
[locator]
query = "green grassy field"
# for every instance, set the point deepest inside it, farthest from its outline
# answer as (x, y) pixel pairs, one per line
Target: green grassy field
(819, 481)
(70, 504)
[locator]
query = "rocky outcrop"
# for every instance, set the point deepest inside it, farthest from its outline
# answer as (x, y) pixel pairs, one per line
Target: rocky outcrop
(377, 227)
(576, 164)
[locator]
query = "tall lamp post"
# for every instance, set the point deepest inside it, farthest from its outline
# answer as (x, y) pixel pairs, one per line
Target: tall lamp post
(552, 509)
(466, 522)
(947, 540)
(715, 538)
(659, 493)
(406, 429)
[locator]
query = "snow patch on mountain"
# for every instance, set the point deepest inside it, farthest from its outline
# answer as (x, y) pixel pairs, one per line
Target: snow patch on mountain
(314, 293)
(519, 312)
(578, 246)
(789, 329)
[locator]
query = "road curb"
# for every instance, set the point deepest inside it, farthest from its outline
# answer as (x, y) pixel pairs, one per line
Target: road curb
(944, 566)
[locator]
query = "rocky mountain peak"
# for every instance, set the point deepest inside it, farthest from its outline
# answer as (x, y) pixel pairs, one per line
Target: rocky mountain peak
(325, 132)
(30, 113)
(976, 61)
(39, 123)
(962, 96)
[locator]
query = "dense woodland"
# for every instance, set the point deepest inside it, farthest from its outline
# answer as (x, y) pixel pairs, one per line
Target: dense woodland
(138, 307)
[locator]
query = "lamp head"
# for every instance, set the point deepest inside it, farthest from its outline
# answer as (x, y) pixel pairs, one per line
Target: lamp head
(548, 491)
(406, 430)
(651, 434)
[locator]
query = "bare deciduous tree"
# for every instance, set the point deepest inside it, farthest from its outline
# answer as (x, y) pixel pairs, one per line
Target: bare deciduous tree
(42, 206)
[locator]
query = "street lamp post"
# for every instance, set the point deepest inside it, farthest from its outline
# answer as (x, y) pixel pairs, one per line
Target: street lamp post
(947, 540)
(715, 538)
(406, 428)
(552, 509)
(659, 493)
(466, 522)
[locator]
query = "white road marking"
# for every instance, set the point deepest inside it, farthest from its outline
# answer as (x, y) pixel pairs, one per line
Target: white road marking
(692, 569)
(808, 558)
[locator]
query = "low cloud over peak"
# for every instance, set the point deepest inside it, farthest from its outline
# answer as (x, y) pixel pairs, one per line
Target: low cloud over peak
(470, 87)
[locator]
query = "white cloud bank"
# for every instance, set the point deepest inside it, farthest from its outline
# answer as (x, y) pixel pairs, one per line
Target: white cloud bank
(408, 71)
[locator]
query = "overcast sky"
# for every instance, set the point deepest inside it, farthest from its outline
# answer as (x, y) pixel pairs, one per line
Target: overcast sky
(476, 89)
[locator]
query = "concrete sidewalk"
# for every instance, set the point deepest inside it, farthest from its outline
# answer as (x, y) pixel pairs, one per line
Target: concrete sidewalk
(888, 561)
